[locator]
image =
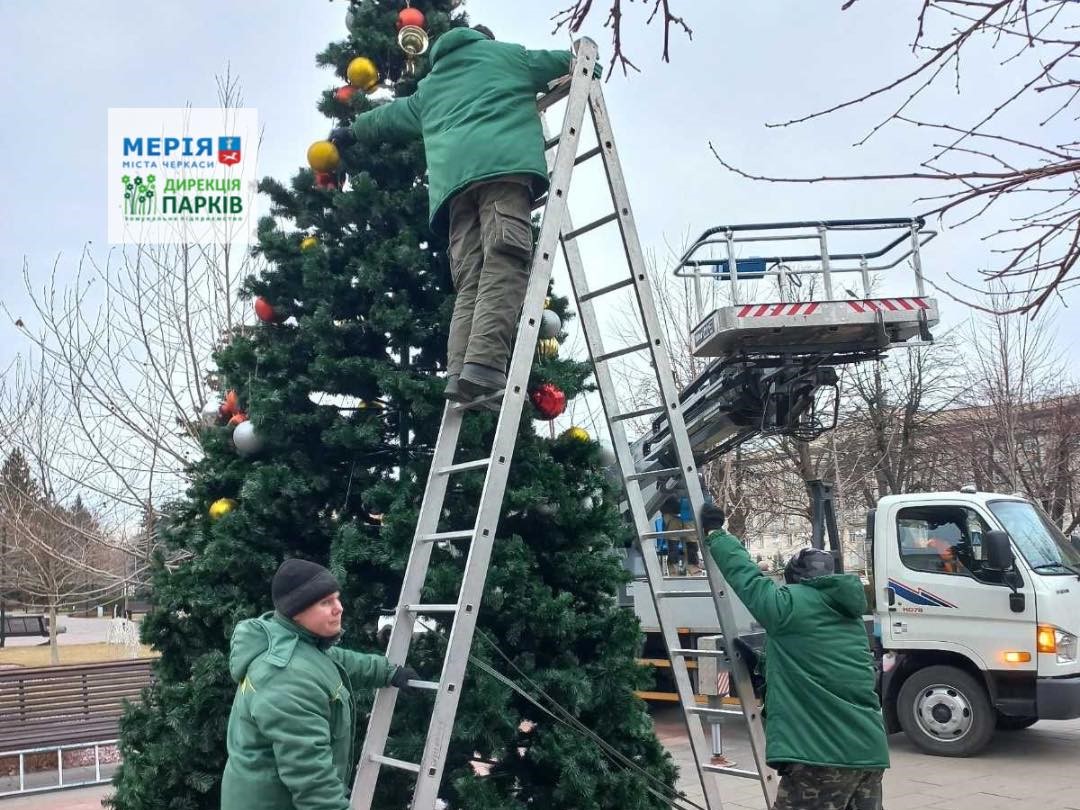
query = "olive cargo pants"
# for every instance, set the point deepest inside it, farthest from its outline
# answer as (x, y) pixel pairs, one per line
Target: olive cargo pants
(491, 248)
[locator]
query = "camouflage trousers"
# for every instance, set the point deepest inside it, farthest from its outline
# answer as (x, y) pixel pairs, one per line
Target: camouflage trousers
(812, 787)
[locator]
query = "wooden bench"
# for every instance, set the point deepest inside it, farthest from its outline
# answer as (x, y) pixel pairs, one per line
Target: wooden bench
(62, 705)
(24, 626)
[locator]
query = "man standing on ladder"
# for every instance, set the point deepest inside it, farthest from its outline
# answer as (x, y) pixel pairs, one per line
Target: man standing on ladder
(476, 112)
(823, 727)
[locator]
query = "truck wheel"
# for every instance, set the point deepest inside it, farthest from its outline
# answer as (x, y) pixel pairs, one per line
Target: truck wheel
(1007, 722)
(946, 712)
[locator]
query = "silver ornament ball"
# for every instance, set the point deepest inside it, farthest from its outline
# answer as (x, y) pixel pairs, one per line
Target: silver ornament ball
(210, 411)
(550, 324)
(246, 440)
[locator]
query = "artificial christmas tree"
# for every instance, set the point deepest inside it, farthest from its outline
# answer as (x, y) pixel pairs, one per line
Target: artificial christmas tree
(340, 484)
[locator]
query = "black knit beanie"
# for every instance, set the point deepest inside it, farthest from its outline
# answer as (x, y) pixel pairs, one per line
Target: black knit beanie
(299, 584)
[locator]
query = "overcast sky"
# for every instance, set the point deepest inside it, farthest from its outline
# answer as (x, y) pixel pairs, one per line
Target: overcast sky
(66, 63)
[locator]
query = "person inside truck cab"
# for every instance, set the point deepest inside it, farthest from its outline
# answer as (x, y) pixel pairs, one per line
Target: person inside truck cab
(947, 553)
(823, 726)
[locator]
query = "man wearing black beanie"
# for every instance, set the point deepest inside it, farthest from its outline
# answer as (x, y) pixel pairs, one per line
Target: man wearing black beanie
(293, 719)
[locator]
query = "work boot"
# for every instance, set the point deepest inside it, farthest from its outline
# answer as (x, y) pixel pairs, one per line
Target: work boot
(477, 380)
(453, 390)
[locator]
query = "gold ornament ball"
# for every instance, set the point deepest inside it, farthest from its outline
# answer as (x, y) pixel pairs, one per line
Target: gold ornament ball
(308, 242)
(576, 433)
(323, 156)
(548, 347)
(362, 73)
(221, 507)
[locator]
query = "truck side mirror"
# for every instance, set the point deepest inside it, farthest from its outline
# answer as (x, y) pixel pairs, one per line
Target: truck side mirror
(998, 550)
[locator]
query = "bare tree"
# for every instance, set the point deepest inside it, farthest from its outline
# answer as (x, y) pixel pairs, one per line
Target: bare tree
(890, 417)
(51, 553)
(126, 353)
(1019, 427)
(572, 17)
(981, 164)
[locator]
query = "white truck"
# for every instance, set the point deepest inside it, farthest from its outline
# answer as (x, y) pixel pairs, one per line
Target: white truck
(976, 617)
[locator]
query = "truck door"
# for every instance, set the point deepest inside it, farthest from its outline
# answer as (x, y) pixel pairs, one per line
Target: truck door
(944, 596)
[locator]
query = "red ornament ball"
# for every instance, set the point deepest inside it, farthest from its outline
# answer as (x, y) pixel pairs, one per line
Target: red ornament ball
(265, 311)
(548, 400)
(410, 16)
(345, 94)
(325, 180)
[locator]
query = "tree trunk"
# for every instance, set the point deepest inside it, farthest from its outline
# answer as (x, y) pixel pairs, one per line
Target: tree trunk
(54, 647)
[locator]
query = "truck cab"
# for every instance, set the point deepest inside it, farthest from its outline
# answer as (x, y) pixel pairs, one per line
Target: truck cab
(976, 613)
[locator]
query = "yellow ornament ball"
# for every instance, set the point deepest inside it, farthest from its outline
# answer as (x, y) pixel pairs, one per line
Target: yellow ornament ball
(323, 156)
(221, 507)
(548, 347)
(578, 434)
(308, 242)
(362, 73)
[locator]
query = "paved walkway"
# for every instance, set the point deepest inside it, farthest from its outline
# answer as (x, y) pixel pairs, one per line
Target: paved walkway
(79, 799)
(1036, 769)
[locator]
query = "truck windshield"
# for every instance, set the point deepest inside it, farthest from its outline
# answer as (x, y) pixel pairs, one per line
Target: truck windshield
(1039, 540)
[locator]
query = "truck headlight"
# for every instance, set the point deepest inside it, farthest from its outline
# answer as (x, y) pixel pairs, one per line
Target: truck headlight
(1055, 641)
(1066, 647)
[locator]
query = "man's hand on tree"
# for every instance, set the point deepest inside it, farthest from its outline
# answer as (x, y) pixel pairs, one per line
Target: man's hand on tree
(402, 676)
(342, 137)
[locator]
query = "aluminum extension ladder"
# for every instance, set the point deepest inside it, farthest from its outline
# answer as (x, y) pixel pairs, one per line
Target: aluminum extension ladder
(581, 91)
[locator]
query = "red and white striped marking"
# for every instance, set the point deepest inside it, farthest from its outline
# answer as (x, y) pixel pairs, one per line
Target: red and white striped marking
(810, 307)
(768, 310)
(889, 305)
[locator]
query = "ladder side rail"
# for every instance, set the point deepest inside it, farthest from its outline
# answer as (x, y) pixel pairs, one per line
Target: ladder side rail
(460, 640)
(654, 576)
(670, 401)
(367, 772)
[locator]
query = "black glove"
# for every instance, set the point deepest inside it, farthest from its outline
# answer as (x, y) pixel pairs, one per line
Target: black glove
(342, 137)
(402, 676)
(712, 518)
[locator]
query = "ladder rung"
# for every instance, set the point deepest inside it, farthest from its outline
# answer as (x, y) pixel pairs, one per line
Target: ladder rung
(596, 223)
(618, 285)
(681, 594)
(438, 537)
(552, 141)
(669, 533)
(637, 347)
(432, 686)
(653, 473)
(480, 463)
(686, 653)
(395, 763)
(709, 712)
(635, 414)
(742, 773)
(560, 89)
(431, 608)
(589, 154)
(540, 202)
